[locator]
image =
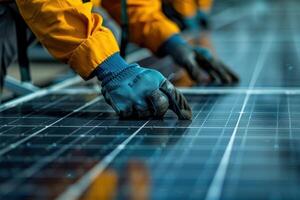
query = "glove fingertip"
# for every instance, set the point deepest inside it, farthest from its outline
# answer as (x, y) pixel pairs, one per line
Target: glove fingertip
(158, 102)
(185, 115)
(235, 78)
(178, 103)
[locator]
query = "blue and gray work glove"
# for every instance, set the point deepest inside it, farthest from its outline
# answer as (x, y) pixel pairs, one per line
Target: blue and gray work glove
(201, 66)
(140, 93)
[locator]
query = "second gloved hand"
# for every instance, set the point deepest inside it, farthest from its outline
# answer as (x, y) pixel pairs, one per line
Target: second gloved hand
(198, 62)
(136, 92)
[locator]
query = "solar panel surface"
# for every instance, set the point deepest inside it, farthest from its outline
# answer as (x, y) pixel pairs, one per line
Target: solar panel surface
(243, 142)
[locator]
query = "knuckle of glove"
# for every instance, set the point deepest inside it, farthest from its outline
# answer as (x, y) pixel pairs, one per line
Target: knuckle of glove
(159, 103)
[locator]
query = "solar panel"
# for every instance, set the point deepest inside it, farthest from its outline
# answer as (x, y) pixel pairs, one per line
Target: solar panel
(242, 143)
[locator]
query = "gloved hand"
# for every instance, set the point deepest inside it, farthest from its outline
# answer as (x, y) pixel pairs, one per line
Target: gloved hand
(199, 63)
(136, 92)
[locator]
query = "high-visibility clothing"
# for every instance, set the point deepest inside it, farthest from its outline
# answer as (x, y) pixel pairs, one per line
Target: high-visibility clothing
(148, 26)
(75, 35)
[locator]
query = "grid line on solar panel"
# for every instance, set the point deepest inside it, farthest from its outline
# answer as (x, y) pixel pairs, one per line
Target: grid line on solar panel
(280, 173)
(207, 117)
(29, 145)
(76, 190)
(8, 187)
(40, 93)
(216, 186)
(258, 125)
(212, 154)
(201, 147)
(258, 146)
(242, 143)
(14, 145)
(59, 149)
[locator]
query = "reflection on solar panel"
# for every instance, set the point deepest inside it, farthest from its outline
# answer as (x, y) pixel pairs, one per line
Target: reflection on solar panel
(242, 143)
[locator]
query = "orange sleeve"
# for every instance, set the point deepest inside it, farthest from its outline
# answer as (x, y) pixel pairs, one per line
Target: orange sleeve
(186, 8)
(70, 32)
(148, 26)
(96, 3)
(205, 5)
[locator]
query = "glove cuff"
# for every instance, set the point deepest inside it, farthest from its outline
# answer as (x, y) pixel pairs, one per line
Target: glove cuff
(116, 79)
(111, 66)
(202, 14)
(191, 23)
(176, 47)
(171, 45)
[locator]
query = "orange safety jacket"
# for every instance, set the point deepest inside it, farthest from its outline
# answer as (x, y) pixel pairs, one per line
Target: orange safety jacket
(75, 35)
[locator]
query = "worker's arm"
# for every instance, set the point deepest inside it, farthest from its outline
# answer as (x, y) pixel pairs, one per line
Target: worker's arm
(70, 32)
(189, 14)
(148, 26)
(186, 8)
